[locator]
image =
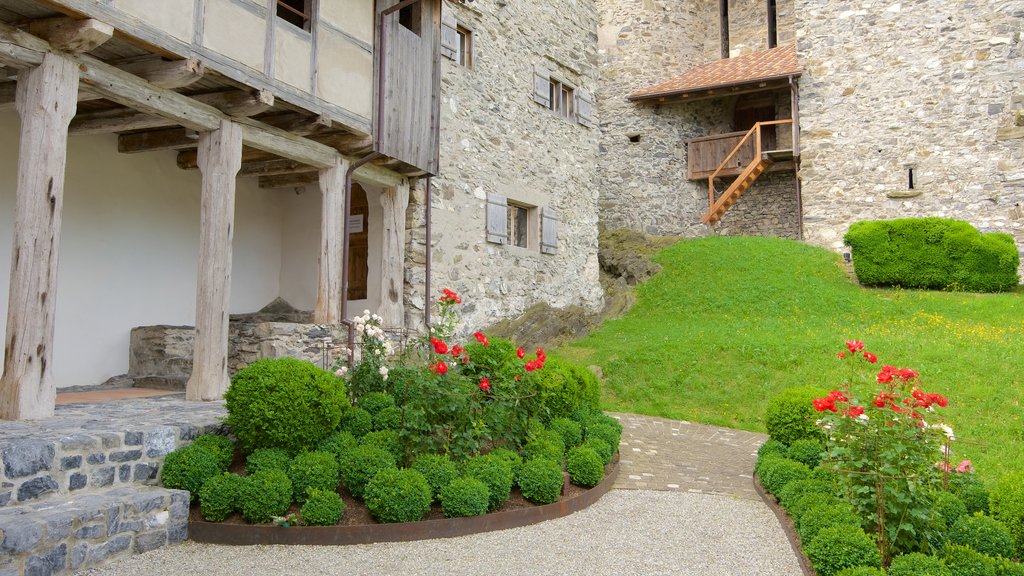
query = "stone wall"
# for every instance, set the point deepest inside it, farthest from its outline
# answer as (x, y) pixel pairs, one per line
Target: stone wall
(929, 85)
(496, 139)
(748, 25)
(768, 208)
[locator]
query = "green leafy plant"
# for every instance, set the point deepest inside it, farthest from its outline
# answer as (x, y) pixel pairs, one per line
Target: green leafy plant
(395, 495)
(824, 516)
(387, 440)
(570, 431)
(807, 502)
(513, 458)
(313, 471)
(789, 416)
(370, 373)
(839, 547)
(971, 491)
(799, 488)
(775, 473)
(861, 571)
(464, 496)
(389, 418)
(495, 473)
(983, 533)
(267, 459)
(338, 443)
(966, 561)
(1007, 567)
(374, 402)
(322, 508)
(189, 468)
(357, 422)
(359, 465)
(584, 467)
(265, 495)
(806, 451)
(772, 448)
(220, 446)
(603, 449)
(540, 480)
(438, 469)
(283, 403)
(218, 498)
(918, 564)
(1007, 504)
(566, 388)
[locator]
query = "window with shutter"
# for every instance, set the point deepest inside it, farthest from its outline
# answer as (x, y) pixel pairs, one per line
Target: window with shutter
(449, 33)
(497, 219)
(585, 108)
(542, 86)
(549, 231)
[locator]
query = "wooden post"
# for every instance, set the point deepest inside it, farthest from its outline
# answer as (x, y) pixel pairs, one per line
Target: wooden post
(392, 282)
(46, 100)
(332, 229)
(220, 157)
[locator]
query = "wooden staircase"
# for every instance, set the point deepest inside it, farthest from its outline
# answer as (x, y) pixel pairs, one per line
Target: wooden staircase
(762, 160)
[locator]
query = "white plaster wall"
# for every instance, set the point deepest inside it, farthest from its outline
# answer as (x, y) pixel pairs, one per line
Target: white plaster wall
(129, 250)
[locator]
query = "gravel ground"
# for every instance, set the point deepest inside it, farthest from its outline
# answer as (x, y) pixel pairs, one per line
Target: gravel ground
(626, 532)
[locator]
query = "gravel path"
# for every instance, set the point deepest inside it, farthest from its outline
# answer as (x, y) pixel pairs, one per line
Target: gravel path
(626, 532)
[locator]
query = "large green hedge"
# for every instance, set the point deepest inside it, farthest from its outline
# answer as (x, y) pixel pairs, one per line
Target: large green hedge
(932, 253)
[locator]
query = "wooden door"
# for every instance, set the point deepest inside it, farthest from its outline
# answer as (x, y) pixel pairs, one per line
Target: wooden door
(744, 118)
(358, 244)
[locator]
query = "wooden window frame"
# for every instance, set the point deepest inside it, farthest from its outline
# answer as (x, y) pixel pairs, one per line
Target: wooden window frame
(562, 98)
(464, 56)
(306, 14)
(521, 216)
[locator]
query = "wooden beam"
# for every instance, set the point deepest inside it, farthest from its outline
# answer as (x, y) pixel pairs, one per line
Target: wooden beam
(365, 173)
(166, 139)
(46, 103)
(220, 156)
(189, 159)
(289, 180)
(70, 35)
(332, 230)
(395, 202)
(231, 102)
(273, 167)
(299, 124)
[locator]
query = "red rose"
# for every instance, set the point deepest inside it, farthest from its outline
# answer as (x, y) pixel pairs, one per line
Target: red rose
(481, 338)
(457, 350)
(541, 356)
(870, 357)
(520, 353)
(854, 345)
(842, 354)
(855, 411)
(530, 366)
(439, 346)
(485, 384)
(440, 368)
(450, 296)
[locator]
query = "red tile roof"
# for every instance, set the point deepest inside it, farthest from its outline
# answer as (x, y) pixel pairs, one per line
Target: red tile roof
(772, 64)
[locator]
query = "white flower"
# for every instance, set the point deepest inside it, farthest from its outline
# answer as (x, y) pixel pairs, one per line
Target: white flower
(384, 372)
(945, 430)
(863, 417)
(341, 371)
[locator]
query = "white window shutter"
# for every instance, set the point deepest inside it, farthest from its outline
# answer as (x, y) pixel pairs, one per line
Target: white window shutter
(585, 108)
(449, 34)
(541, 86)
(497, 218)
(548, 231)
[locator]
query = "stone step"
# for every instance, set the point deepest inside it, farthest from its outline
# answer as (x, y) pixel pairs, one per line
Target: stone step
(77, 531)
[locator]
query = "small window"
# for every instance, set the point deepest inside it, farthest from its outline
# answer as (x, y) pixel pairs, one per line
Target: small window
(411, 16)
(464, 56)
(295, 12)
(519, 225)
(773, 31)
(560, 98)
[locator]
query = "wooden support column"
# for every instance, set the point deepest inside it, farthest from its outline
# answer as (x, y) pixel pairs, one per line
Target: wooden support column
(220, 157)
(46, 100)
(332, 229)
(395, 201)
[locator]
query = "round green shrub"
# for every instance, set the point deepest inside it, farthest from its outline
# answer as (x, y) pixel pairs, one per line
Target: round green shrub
(545, 444)
(495, 473)
(464, 496)
(772, 447)
(385, 439)
(541, 480)
(313, 471)
(584, 467)
(513, 458)
(374, 402)
(966, 561)
(1007, 567)
(565, 388)
(218, 498)
(395, 495)
(603, 449)
(338, 443)
(220, 446)
(825, 475)
(388, 419)
(798, 488)
(790, 415)
(598, 418)
(438, 469)
(283, 403)
(807, 451)
(356, 421)
(189, 468)
(839, 547)
(983, 533)
(917, 564)
(322, 508)
(1007, 505)
(802, 504)
(861, 571)
(605, 432)
(971, 491)
(777, 472)
(264, 495)
(267, 459)
(826, 516)
(570, 431)
(948, 506)
(359, 465)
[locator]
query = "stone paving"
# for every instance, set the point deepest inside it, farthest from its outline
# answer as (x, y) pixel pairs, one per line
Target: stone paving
(660, 454)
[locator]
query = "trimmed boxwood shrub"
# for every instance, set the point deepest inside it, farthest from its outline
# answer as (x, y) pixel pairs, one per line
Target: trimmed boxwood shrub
(808, 501)
(395, 495)
(283, 403)
(360, 464)
(983, 533)
(603, 431)
(1007, 567)
(798, 488)
(267, 459)
(584, 467)
(389, 418)
(374, 402)
(603, 449)
(966, 561)
(513, 458)
(385, 439)
(356, 421)
(948, 506)
(824, 516)
(220, 446)
(839, 547)
(772, 447)
(438, 469)
(790, 415)
(861, 571)
(973, 493)
(1007, 505)
(464, 496)
(806, 451)
(313, 470)
(540, 480)
(570, 431)
(264, 495)
(218, 498)
(917, 564)
(338, 443)
(322, 508)
(495, 473)
(189, 468)
(545, 444)
(775, 473)
(933, 253)
(566, 388)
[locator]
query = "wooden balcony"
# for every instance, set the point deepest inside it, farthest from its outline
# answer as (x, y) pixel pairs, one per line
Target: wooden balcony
(705, 154)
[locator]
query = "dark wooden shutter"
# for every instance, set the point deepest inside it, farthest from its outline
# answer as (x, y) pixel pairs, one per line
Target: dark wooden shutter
(585, 108)
(497, 219)
(449, 33)
(542, 86)
(548, 231)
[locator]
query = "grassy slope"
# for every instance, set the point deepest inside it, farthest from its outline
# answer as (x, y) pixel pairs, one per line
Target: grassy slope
(731, 321)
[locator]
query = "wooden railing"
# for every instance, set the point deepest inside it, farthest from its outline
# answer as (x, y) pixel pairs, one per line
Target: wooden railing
(754, 132)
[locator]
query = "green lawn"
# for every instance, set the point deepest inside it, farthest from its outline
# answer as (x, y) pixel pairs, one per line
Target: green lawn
(731, 321)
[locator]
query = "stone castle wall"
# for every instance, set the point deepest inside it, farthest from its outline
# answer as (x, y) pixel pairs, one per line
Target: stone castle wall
(496, 139)
(768, 208)
(930, 86)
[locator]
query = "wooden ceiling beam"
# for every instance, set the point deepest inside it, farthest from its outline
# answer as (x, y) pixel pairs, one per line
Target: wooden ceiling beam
(152, 140)
(189, 159)
(70, 35)
(289, 180)
(278, 167)
(299, 124)
(233, 103)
